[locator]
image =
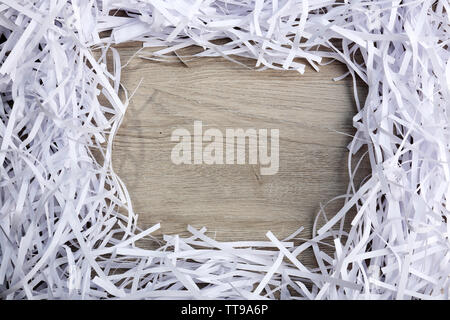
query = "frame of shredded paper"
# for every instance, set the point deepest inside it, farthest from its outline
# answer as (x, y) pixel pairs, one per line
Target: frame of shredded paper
(62, 233)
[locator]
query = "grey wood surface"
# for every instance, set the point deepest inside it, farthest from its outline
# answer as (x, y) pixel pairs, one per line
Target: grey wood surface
(312, 112)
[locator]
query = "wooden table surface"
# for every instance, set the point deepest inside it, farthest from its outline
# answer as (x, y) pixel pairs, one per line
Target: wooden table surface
(312, 112)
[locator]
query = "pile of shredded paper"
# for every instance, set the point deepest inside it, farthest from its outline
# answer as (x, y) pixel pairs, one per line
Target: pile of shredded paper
(67, 227)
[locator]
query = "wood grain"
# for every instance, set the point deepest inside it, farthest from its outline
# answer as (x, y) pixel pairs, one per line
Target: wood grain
(314, 116)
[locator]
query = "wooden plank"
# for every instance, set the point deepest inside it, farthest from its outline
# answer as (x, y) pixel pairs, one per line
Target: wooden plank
(234, 202)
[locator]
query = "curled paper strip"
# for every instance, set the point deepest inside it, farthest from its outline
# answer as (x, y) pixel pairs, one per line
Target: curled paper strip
(61, 231)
